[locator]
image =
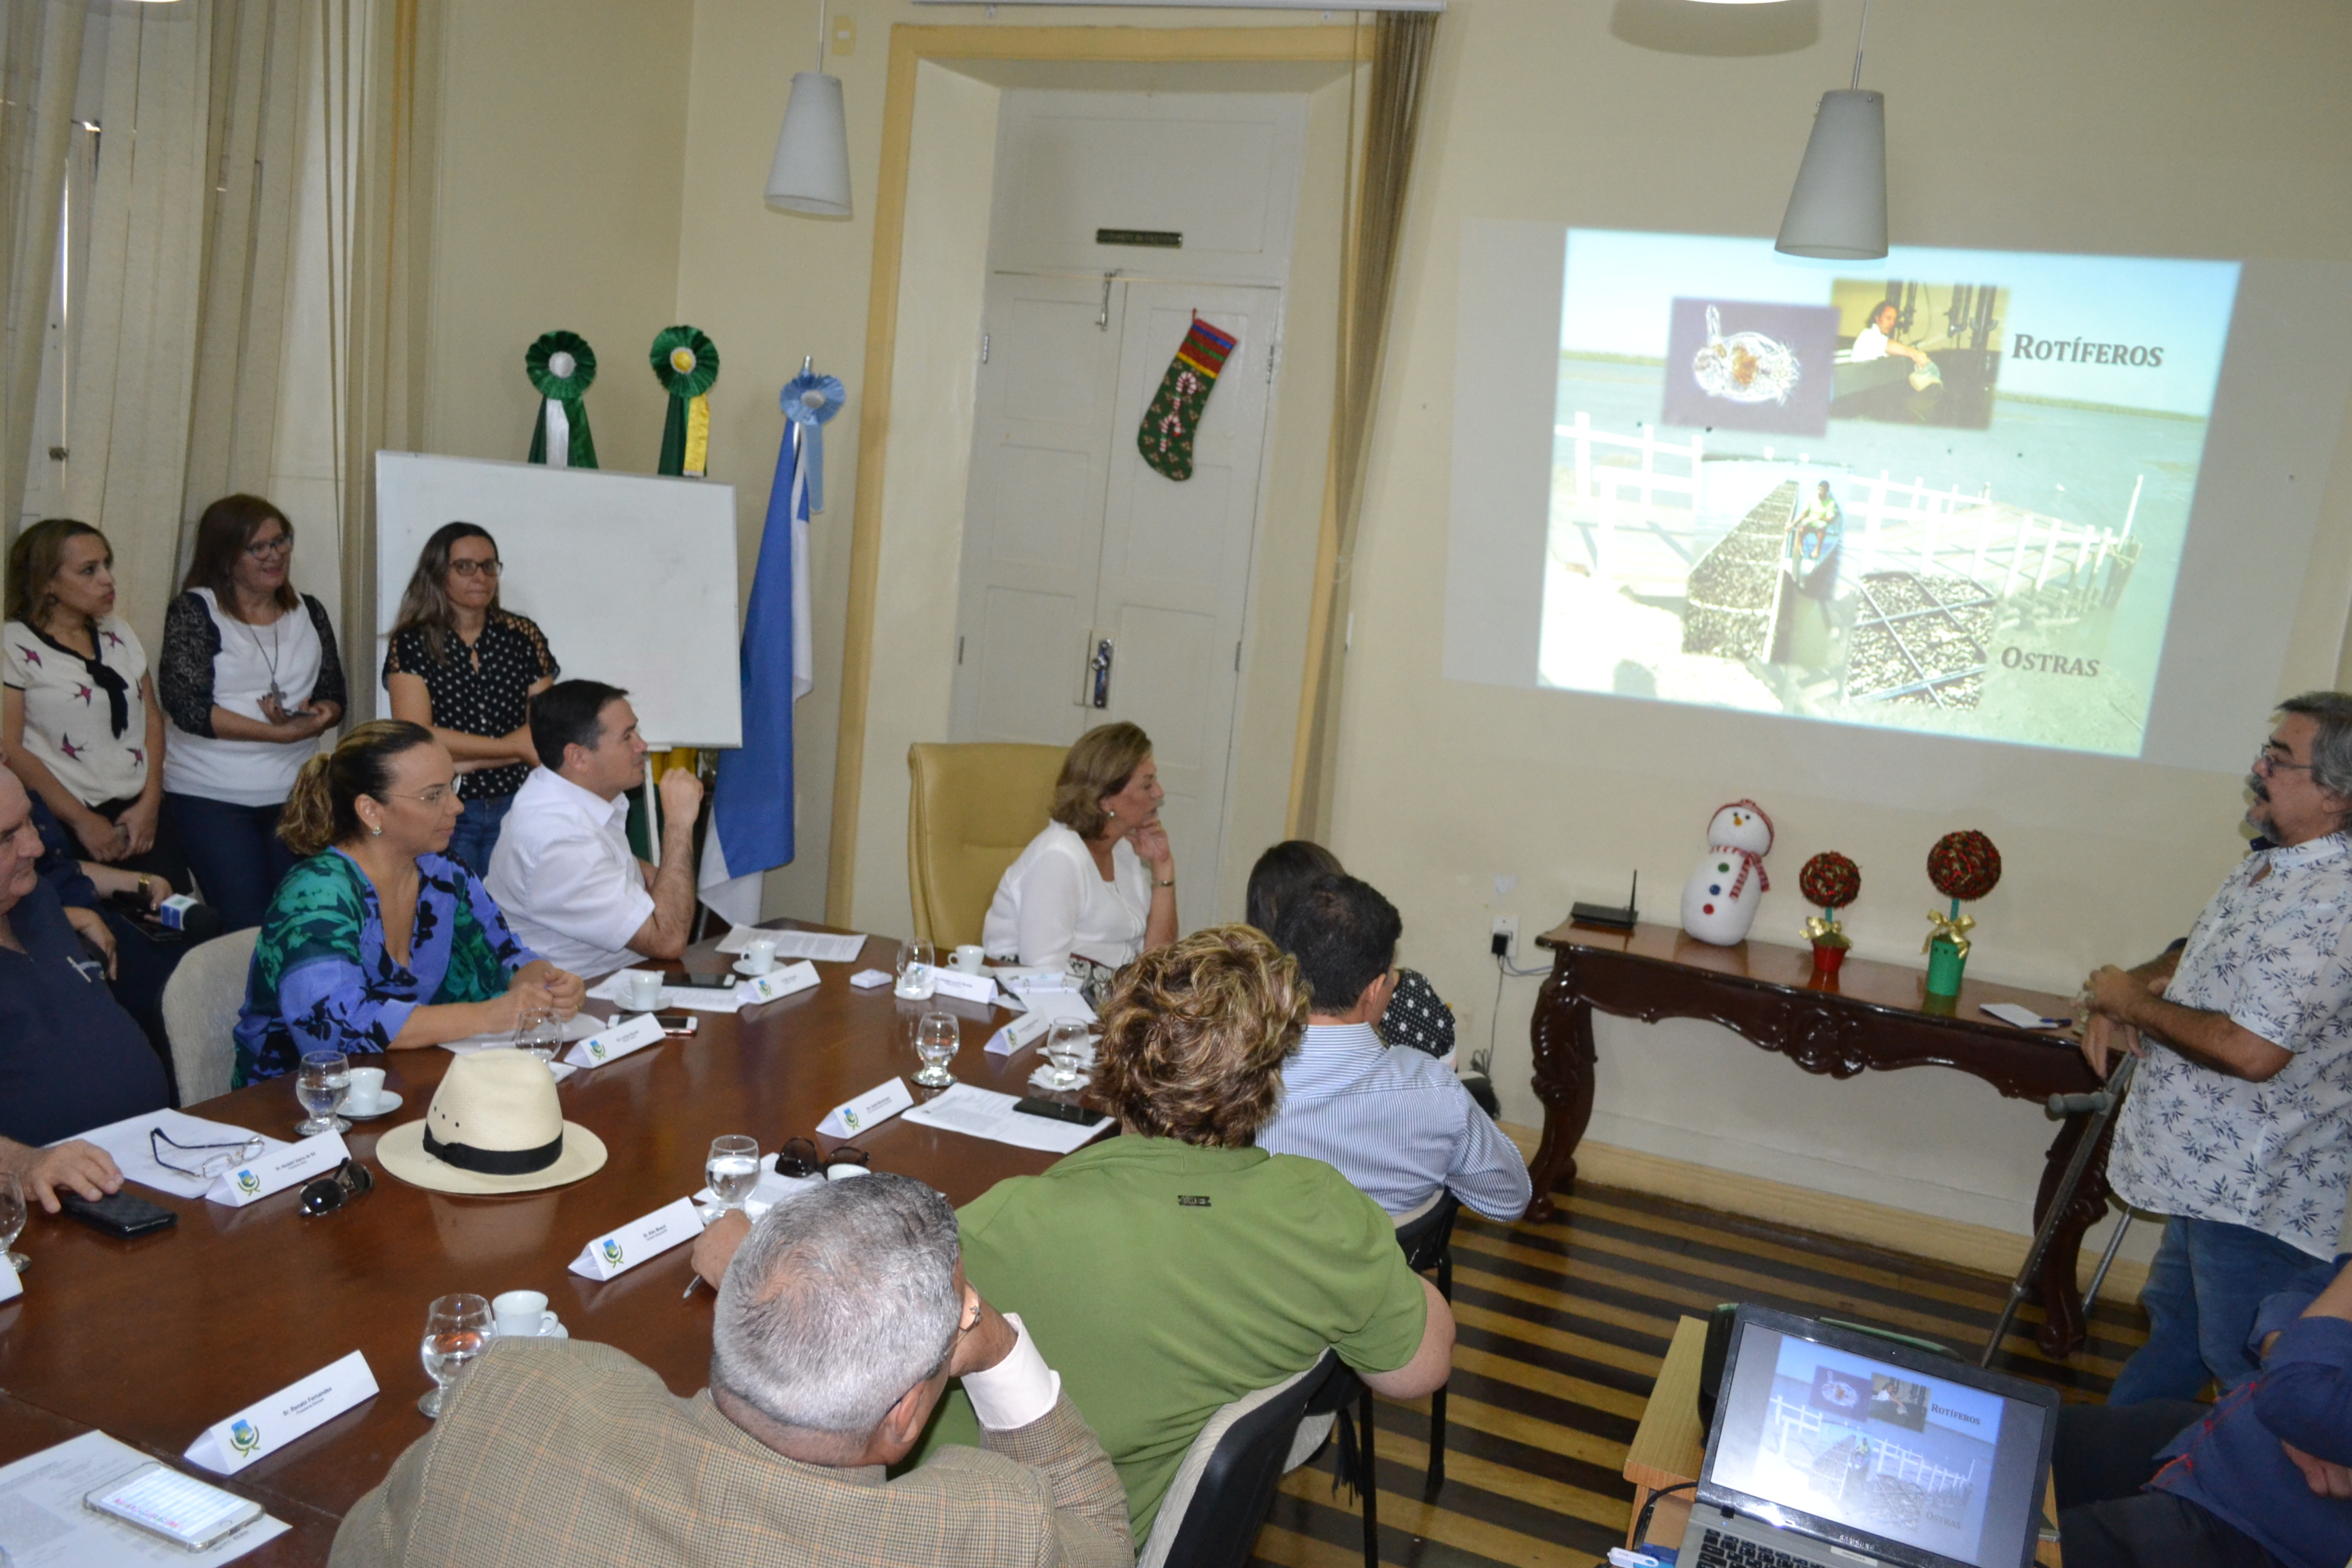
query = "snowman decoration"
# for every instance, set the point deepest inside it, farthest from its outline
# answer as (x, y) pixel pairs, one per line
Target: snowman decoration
(1719, 900)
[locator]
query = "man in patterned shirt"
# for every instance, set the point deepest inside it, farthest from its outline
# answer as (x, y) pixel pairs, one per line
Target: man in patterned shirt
(2236, 1129)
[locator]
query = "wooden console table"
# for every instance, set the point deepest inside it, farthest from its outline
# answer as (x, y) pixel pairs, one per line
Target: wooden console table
(1871, 1016)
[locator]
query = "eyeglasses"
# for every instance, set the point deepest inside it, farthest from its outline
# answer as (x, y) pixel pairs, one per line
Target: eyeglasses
(801, 1157)
(204, 1158)
(477, 568)
(433, 798)
(2267, 762)
(262, 549)
(329, 1192)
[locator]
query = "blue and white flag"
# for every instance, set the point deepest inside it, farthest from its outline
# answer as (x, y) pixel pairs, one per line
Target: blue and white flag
(754, 803)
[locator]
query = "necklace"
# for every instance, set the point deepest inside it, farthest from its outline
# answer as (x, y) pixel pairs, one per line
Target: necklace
(268, 654)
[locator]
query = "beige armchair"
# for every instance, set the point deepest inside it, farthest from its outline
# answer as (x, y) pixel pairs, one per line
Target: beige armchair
(972, 810)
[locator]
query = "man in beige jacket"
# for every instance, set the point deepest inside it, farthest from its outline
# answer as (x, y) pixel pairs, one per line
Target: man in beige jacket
(840, 1319)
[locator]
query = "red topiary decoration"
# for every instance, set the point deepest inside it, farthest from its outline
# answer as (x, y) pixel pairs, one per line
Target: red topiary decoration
(1830, 881)
(1964, 865)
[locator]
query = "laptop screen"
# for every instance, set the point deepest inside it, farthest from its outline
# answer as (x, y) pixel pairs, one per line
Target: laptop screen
(1878, 1446)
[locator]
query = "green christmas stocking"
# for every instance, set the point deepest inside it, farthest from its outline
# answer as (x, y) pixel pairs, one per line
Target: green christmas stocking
(1174, 417)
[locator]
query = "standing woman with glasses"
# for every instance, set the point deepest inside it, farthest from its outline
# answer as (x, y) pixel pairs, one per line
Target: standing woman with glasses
(377, 940)
(78, 718)
(250, 679)
(466, 670)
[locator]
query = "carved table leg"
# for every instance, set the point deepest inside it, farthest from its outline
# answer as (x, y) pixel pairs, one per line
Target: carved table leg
(1561, 1032)
(2064, 1322)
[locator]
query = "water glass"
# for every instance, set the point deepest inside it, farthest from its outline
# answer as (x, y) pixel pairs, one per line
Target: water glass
(12, 1220)
(916, 961)
(733, 1169)
(456, 1330)
(537, 1032)
(1065, 1052)
(325, 1079)
(936, 1040)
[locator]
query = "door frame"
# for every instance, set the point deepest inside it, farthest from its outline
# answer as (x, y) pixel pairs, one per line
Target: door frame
(910, 45)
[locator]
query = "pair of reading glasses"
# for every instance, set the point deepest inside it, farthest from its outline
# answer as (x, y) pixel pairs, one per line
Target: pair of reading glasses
(199, 1159)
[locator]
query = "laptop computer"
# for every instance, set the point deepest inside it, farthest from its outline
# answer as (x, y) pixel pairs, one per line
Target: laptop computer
(1834, 1449)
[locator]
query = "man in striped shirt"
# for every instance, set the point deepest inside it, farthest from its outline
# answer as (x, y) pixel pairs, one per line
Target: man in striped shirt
(1396, 1122)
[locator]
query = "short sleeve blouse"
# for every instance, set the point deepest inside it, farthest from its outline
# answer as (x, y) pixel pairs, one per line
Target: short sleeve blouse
(323, 981)
(84, 718)
(492, 701)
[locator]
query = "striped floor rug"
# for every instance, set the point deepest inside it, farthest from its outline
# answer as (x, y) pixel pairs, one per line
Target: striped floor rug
(1561, 1328)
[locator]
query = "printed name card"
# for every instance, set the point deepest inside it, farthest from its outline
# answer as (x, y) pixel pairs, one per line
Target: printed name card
(871, 1109)
(955, 982)
(631, 1245)
(11, 1287)
(639, 1031)
(1026, 1030)
(268, 1425)
(781, 981)
(281, 1168)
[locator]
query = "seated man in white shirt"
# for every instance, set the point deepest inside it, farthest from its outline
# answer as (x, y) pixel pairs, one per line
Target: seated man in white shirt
(564, 872)
(1393, 1120)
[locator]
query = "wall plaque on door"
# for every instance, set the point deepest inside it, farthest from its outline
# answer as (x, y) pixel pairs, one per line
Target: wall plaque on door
(1160, 238)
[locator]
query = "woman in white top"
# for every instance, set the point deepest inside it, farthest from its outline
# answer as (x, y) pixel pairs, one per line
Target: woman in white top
(1100, 882)
(78, 714)
(250, 679)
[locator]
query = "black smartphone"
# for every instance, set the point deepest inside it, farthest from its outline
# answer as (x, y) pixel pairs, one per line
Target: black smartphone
(709, 981)
(119, 1215)
(1058, 1109)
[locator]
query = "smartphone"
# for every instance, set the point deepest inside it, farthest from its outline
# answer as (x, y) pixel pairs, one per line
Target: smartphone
(677, 1023)
(181, 1509)
(119, 1215)
(708, 981)
(1058, 1109)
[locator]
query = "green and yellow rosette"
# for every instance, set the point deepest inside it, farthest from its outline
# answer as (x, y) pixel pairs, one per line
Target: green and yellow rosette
(561, 367)
(687, 365)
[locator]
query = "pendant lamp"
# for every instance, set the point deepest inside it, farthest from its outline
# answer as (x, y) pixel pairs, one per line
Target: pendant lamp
(811, 172)
(1838, 209)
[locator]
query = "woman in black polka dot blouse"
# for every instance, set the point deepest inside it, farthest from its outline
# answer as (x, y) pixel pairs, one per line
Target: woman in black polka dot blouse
(466, 670)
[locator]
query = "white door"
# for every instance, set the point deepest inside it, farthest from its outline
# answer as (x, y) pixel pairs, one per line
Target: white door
(1073, 543)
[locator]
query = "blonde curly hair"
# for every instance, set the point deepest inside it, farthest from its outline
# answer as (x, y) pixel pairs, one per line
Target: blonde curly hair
(1194, 1036)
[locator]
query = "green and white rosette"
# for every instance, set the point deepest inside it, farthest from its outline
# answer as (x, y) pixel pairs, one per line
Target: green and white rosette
(563, 367)
(687, 365)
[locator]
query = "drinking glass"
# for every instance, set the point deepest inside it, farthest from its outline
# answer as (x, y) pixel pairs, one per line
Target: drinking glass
(936, 1040)
(916, 960)
(733, 1169)
(456, 1330)
(321, 1086)
(12, 1220)
(537, 1032)
(1066, 1049)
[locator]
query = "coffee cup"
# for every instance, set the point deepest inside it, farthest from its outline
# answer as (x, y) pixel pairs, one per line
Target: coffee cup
(366, 1091)
(760, 954)
(641, 991)
(523, 1313)
(967, 958)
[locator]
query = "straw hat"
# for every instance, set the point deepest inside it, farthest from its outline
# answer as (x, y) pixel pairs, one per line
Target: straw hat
(494, 1127)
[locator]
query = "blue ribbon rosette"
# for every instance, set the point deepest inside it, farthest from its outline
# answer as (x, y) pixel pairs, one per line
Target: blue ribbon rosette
(811, 401)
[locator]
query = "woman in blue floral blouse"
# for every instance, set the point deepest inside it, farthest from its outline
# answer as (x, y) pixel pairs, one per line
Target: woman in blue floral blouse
(377, 940)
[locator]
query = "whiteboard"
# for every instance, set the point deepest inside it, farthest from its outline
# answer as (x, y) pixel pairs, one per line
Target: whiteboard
(632, 577)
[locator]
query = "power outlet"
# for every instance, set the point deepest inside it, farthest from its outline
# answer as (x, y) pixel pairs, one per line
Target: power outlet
(1507, 927)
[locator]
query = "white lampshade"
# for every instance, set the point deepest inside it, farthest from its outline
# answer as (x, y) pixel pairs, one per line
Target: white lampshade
(810, 173)
(1838, 207)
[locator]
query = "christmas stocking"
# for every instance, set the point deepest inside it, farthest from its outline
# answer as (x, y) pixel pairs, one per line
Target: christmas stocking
(1170, 424)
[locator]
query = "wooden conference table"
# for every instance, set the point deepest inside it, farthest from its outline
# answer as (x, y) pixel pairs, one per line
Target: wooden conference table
(1871, 1016)
(153, 1341)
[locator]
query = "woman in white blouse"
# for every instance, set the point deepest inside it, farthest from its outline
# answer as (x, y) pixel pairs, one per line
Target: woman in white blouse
(1099, 883)
(250, 679)
(78, 714)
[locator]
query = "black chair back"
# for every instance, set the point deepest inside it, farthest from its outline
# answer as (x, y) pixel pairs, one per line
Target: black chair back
(1245, 1447)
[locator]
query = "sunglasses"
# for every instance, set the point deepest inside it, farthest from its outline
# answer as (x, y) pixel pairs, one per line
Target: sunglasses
(329, 1192)
(801, 1157)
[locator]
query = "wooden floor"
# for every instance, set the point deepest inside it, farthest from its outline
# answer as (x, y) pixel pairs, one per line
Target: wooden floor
(1561, 1330)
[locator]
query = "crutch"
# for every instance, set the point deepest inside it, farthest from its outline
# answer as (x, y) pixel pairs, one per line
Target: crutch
(2100, 1108)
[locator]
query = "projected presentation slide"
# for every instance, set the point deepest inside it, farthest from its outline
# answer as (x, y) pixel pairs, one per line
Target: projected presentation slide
(1950, 493)
(1847, 1439)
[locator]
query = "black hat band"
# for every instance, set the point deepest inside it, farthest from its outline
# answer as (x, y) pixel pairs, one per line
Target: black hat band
(495, 1161)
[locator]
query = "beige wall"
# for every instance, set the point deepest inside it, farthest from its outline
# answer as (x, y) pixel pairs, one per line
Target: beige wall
(2166, 129)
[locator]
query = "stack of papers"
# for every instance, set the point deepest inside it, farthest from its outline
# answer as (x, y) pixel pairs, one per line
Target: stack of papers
(132, 1150)
(578, 1026)
(825, 947)
(983, 1113)
(676, 998)
(47, 1527)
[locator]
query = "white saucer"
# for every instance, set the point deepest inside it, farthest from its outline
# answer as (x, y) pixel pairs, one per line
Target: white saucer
(553, 1331)
(743, 967)
(1043, 1078)
(385, 1106)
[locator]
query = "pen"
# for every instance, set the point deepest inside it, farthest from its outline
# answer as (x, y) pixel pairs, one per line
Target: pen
(691, 1285)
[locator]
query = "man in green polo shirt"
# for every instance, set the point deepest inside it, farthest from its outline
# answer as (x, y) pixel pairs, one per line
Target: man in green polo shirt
(1173, 1270)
